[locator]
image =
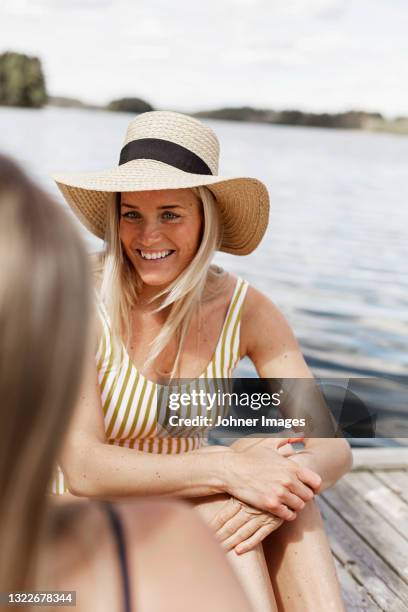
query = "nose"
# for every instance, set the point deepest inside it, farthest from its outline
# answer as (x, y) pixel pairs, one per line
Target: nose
(149, 233)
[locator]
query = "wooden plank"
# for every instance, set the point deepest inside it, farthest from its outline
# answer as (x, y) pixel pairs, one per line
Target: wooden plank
(380, 458)
(380, 581)
(355, 596)
(388, 505)
(370, 526)
(397, 480)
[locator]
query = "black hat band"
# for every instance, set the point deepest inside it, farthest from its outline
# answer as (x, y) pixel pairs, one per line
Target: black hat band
(164, 151)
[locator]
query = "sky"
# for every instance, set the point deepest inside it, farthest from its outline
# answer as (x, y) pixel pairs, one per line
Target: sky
(312, 55)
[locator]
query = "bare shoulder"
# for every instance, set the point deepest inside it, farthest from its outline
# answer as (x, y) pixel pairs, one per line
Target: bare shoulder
(156, 548)
(75, 530)
(220, 285)
(264, 327)
(82, 552)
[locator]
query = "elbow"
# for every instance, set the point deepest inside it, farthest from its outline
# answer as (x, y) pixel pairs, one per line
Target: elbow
(79, 474)
(80, 484)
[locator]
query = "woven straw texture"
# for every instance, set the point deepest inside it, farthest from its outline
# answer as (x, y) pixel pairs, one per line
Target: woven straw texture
(243, 202)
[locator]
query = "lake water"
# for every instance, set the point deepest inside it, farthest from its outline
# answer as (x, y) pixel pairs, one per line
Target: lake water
(335, 255)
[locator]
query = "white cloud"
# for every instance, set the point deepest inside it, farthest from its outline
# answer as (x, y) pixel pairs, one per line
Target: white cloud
(322, 54)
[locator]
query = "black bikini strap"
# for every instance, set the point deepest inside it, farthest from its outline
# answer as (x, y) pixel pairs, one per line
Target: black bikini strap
(118, 532)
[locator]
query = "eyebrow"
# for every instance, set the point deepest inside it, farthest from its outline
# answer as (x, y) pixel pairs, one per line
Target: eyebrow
(167, 206)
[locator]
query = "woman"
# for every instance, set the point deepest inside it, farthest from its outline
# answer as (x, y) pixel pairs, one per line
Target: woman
(166, 312)
(45, 306)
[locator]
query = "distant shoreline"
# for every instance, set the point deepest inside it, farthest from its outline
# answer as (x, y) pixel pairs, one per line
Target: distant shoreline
(23, 85)
(357, 120)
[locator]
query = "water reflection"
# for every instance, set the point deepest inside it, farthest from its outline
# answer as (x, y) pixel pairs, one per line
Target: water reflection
(335, 255)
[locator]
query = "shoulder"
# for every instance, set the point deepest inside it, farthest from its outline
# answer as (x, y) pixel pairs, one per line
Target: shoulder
(219, 287)
(81, 551)
(264, 327)
(259, 307)
(74, 529)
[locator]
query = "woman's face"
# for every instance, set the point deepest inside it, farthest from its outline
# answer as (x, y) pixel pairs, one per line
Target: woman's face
(160, 232)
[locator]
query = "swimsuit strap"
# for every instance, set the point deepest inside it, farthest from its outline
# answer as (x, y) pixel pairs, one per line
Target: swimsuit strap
(117, 529)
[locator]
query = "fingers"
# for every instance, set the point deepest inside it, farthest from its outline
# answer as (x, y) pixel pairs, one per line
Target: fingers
(256, 538)
(231, 528)
(302, 491)
(243, 533)
(227, 512)
(282, 511)
(309, 478)
(286, 451)
(292, 501)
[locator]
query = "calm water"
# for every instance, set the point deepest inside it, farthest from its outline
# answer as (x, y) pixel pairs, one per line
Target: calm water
(335, 256)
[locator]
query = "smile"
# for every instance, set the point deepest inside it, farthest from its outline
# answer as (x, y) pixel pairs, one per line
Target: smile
(154, 255)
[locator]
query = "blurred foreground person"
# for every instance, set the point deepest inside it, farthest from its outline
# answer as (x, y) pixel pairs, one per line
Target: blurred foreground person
(125, 556)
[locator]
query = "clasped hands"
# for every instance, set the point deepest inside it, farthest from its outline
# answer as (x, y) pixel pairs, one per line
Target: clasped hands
(241, 527)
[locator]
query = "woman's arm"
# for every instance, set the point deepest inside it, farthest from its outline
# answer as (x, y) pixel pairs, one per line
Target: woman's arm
(276, 354)
(330, 458)
(269, 342)
(94, 468)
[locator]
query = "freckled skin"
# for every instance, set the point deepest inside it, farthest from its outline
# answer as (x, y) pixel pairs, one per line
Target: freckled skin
(145, 224)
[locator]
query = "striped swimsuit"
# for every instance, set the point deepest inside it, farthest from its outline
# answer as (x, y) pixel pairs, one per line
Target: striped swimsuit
(134, 407)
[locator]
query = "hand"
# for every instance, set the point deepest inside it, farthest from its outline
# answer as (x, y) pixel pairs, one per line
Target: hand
(301, 459)
(284, 448)
(240, 526)
(261, 477)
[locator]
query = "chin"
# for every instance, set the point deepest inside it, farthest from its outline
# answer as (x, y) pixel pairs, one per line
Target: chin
(157, 280)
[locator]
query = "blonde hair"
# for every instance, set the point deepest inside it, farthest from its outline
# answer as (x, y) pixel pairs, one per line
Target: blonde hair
(121, 285)
(44, 312)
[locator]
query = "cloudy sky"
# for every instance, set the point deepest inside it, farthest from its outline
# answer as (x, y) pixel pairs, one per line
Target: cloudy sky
(184, 55)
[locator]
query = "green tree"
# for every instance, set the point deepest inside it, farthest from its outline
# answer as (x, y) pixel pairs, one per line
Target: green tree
(130, 105)
(22, 81)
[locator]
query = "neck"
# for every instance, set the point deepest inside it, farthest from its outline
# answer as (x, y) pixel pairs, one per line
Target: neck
(147, 297)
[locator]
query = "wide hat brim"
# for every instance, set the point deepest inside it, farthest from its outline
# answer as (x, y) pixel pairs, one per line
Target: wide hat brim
(243, 202)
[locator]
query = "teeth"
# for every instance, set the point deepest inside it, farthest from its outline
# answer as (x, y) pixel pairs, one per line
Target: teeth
(157, 255)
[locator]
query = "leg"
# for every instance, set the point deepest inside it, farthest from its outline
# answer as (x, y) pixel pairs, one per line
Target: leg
(301, 565)
(250, 568)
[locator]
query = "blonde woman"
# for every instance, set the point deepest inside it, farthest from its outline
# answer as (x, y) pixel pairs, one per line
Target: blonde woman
(165, 313)
(116, 557)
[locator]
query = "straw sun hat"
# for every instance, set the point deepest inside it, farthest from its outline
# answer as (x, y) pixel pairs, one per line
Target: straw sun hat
(167, 150)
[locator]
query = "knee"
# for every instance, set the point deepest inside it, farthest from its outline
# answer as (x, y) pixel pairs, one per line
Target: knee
(208, 507)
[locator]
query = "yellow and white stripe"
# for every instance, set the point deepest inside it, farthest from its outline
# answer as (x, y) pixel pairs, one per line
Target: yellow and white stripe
(134, 406)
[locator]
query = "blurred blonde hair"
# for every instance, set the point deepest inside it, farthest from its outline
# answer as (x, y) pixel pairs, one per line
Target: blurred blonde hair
(121, 285)
(44, 312)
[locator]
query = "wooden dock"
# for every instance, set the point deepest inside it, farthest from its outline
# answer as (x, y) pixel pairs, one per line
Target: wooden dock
(366, 518)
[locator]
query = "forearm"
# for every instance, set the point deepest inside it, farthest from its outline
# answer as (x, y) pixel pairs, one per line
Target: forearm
(103, 470)
(331, 458)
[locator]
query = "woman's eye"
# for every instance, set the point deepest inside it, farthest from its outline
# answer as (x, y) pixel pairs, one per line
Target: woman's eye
(170, 215)
(130, 215)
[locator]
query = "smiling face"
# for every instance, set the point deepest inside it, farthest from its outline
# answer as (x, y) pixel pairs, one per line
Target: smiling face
(160, 232)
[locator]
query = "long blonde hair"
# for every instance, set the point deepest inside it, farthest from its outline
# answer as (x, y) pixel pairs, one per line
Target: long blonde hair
(121, 285)
(44, 314)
